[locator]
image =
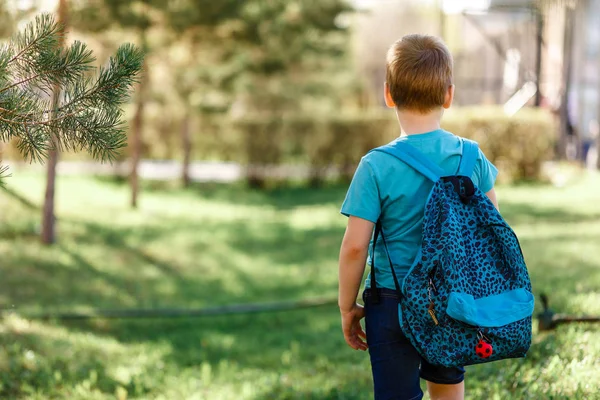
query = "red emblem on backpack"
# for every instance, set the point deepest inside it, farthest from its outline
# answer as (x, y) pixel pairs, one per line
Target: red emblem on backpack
(484, 348)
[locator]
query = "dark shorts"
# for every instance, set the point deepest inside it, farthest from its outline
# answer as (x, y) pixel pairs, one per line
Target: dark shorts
(395, 363)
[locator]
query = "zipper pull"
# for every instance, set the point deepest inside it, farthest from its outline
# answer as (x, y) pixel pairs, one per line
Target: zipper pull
(431, 311)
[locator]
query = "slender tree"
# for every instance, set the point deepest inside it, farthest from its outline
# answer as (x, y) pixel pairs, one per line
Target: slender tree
(200, 26)
(186, 144)
(138, 123)
(48, 217)
(96, 16)
(200, 78)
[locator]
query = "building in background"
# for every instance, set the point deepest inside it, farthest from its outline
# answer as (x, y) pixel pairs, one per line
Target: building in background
(584, 80)
(500, 47)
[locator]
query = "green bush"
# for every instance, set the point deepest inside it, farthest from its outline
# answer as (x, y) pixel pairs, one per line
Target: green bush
(516, 145)
(339, 141)
(319, 142)
(263, 140)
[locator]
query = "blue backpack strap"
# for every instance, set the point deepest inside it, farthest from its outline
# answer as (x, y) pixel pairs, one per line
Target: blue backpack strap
(470, 152)
(413, 158)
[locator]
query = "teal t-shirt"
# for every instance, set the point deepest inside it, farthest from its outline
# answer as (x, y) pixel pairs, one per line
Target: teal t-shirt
(385, 188)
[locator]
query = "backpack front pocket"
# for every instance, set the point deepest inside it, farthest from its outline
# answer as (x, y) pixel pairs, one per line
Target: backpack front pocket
(491, 311)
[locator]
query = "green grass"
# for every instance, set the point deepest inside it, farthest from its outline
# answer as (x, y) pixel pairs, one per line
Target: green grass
(218, 245)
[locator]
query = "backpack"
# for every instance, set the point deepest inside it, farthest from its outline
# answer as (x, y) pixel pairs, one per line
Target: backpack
(467, 297)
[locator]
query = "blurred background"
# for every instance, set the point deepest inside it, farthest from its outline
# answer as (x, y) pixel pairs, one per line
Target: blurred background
(202, 263)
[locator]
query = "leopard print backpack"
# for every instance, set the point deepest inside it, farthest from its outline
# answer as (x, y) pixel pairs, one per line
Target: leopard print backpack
(467, 298)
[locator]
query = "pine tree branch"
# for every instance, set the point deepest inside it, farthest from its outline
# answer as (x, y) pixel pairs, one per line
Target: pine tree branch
(88, 115)
(56, 30)
(20, 83)
(71, 64)
(24, 116)
(36, 151)
(8, 121)
(31, 65)
(34, 123)
(107, 152)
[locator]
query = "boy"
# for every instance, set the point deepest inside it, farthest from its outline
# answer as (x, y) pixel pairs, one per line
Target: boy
(419, 87)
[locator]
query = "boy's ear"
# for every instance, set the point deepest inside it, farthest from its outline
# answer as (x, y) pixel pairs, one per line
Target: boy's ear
(388, 96)
(449, 97)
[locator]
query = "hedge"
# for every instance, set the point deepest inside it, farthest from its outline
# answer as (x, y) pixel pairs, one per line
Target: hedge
(517, 145)
(317, 142)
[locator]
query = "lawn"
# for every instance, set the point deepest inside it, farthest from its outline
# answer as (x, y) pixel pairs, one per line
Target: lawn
(221, 245)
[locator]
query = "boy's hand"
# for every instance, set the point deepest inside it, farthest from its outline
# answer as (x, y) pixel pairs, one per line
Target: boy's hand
(353, 332)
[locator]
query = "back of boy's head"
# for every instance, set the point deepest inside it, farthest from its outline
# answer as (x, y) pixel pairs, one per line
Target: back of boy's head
(419, 73)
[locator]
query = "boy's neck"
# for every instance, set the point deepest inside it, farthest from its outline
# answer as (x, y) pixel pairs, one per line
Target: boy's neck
(413, 123)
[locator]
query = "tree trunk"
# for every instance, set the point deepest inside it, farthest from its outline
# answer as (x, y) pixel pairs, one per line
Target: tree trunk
(138, 122)
(538, 55)
(566, 125)
(48, 219)
(186, 143)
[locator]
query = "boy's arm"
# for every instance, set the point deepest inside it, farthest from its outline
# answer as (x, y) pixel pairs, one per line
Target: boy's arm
(361, 206)
(353, 257)
(492, 196)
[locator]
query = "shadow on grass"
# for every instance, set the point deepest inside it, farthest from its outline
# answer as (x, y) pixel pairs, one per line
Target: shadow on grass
(275, 243)
(100, 266)
(152, 275)
(21, 199)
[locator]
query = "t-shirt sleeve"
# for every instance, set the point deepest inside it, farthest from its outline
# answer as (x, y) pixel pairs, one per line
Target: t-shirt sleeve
(486, 173)
(362, 199)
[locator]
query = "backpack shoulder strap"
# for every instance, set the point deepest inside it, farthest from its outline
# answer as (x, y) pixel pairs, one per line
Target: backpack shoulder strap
(414, 159)
(470, 151)
(375, 293)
